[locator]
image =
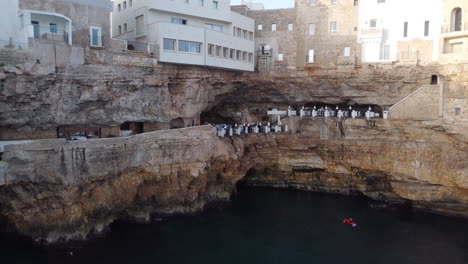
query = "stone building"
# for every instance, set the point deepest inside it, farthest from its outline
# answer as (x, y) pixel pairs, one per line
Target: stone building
(394, 30)
(203, 32)
(275, 37)
(316, 33)
(327, 33)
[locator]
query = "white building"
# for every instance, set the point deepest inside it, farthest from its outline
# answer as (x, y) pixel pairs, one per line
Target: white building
(400, 30)
(74, 22)
(194, 32)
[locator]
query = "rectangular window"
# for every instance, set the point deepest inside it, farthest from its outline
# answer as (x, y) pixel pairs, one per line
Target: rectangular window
(457, 111)
(310, 56)
(405, 30)
(232, 53)
(189, 46)
(244, 56)
(120, 30)
(426, 28)
(36, 28)
(140, 25)
(178, 21)
(125, 27)
(125, 5)
(332, 27)
(245, 34)
(218, 51)
(95, 36)
(311, 2)
(53, 28)
(234, 31)
(264, 63)
(238, 54)
(250, 57)
(347, 51)
(215, 4)
(201, 2)
(211, 49)
(280, 57)
(356, 2)
(226, 53)
(290, 27)
(130, 2)
(311, 29)
(373, 23)
(273, 27)
(119, 7)
(260, 27)
(169, 44)
(218, 28)
(251, 35)
(333, 2)
(239, 32)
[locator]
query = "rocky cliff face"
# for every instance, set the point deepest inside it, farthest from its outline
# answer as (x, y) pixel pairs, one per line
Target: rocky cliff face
(53, 189)
(36, 98)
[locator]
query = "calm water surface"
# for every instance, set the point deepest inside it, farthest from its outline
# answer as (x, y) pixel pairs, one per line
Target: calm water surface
(269, 226)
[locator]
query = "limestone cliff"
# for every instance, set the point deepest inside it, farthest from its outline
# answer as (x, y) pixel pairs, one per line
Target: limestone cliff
(36, 99)
(53, 189)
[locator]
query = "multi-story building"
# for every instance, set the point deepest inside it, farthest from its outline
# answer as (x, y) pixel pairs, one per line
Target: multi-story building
(75, 22)
(316, 33)
(194, 32)
(275, 37)
(454, 37)
(399, 30)
(327, 33)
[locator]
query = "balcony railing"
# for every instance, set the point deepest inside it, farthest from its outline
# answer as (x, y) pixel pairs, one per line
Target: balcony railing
(449, 29)
(265, 52)
(372, 31)
(50, 34)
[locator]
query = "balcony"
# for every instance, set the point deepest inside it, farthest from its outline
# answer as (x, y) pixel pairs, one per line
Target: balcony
(448, 29)
(372, 32)
(49, 26)
(265, 52)
(126, 46)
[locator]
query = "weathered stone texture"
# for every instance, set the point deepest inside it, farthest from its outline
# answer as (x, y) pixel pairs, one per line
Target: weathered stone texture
(53, 189)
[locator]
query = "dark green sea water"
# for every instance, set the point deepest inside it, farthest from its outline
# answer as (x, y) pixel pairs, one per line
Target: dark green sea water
(269, 226)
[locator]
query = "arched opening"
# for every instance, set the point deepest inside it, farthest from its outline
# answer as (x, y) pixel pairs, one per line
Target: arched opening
(177, 123)
(130, 47)
(456, 20)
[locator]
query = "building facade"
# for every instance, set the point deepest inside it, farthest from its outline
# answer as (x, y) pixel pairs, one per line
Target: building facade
(194, 32)
(454, 37)
(327, 33)
(395, 30)
(74, 22)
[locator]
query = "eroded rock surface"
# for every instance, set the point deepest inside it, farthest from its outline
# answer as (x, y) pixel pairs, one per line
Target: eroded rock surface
(53, 189)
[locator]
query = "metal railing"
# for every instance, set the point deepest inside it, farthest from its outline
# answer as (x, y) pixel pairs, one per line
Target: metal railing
(450, 29)
(265, 52)
(50, 34)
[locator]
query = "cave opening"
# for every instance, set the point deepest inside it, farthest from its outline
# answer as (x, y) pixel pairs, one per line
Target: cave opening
(135, 127)
(177, 123)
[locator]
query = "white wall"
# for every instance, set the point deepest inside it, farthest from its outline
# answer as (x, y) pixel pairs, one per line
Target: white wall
(10, 24)
(159, 31)
(391, 17)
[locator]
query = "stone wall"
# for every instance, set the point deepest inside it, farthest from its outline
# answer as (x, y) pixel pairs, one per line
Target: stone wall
(423, 104)
(282, 41)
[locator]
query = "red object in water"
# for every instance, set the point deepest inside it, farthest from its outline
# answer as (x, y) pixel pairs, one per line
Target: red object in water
(350, 222)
